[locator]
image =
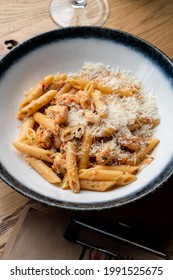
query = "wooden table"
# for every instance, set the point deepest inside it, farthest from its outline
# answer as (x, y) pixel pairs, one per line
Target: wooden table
(153, 21)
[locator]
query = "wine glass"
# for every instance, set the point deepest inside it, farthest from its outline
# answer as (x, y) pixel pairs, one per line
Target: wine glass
(79, 12)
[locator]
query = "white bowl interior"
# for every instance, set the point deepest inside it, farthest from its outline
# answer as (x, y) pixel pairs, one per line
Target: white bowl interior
(68, 56)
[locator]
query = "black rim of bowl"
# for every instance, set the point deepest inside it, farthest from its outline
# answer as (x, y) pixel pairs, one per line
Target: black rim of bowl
(127, 39)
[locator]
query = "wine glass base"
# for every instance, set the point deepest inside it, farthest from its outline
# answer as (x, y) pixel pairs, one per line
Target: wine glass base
(65, 14)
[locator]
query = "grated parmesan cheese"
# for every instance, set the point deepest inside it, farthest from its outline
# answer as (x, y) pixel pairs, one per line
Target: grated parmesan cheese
(121, 111)
(77, 116)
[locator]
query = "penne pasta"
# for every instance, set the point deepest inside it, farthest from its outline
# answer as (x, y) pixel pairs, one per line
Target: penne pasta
(124, 168)
(85, 148)
(38, 91)
(65, 182)
(99, 186)
(28, 123)
(33, 151)
(45, 171)
(30, 133)
(67, 134)
(31, 136)
(37, 104)
(125, 179)
(89, 88)
(59, 77)
(146, 149)
(79, 131)
(94, 128)
(99, 175)
(78, 83)
(84, 99)
(44, 121)
(99, 103)
(64, 89)
(72, 170)
(104, 89)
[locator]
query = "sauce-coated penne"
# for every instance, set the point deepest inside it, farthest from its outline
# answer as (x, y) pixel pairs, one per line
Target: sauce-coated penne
(90, 130)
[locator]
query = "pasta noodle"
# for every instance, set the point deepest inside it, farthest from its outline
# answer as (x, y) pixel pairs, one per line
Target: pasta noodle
(124, 168)
(78, 83)
(100, 186)
(72, 168)
(38, 91)
(28, 123)
(44, 121)
(145, 150)
(44, 170)
(99, 103)
(33, 151)
(37, 104)
(97, 175)
(92, 130)
(85, 148)
(125, 179)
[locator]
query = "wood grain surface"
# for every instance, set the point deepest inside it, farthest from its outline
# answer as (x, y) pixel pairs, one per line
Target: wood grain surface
(152, 20)
(149, 19)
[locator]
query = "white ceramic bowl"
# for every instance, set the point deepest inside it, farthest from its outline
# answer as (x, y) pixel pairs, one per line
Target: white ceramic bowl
(66, 50)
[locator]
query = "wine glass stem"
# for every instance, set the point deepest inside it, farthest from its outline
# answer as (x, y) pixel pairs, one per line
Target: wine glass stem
(79, 3)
